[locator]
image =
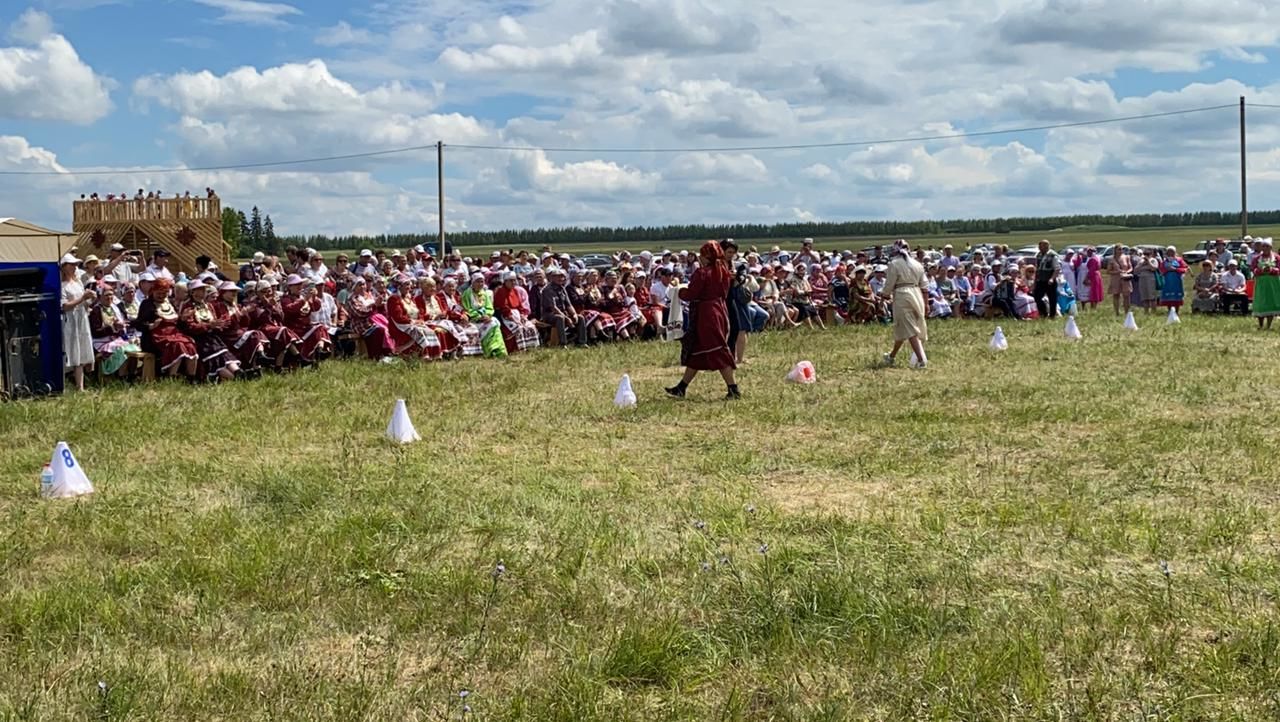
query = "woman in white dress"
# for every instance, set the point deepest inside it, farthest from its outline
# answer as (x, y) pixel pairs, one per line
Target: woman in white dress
(77, 341)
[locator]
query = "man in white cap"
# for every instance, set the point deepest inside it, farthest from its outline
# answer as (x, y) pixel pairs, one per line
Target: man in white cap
(252, 270)
(124, 267)
(366, 265)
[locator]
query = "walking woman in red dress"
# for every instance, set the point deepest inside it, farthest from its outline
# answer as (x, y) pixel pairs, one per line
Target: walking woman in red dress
(705, 346)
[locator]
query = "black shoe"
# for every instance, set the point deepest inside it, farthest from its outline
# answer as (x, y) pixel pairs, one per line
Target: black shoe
(734, 394)
(676, 391)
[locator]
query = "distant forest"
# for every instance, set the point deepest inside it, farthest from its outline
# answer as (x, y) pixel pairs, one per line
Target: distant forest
(531, 238)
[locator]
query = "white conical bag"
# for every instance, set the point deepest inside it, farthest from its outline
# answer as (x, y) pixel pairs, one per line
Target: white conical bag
(914, 362)
(1130, 324)
(1173, 317)
(401, 428)
(1072, 331)
(625, 398)
(998, 340)
(68, 478)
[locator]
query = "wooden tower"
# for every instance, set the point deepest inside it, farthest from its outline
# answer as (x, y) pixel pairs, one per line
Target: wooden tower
(186, 227)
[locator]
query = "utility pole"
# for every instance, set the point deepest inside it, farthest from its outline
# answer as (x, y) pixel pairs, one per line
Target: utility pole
(439, 183)
(1244, 183)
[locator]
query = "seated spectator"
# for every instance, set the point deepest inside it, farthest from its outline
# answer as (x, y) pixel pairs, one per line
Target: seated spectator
(158, 322)
(1204, 297)
(865, 305)
(511, 307)
(266, 315)
(113, 340)
(1232, 289)
(199, 322)
(557, 311)
(298, 305)
(232, 322)
(478, 303)
(366, 313)
(412, 335)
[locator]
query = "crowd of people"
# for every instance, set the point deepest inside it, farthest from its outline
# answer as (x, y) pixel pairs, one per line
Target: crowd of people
(286, 313)
(143, 205)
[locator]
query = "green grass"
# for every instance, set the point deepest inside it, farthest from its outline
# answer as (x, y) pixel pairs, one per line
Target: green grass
(1183, 238)
(981, 540)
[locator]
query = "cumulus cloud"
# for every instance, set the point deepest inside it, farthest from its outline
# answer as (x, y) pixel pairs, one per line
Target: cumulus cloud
(716, 107)
(17, 154)
(679, 27)
(294, 110)
(726, 167)
(846, 85)
(820, 173)
(45, 79)
(603, 180)
(580, 53)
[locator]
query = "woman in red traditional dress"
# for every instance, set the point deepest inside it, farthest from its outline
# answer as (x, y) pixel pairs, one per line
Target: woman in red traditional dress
(705, 346)
(248, 346)
(314, 343)
(435, 311)
(409, 329)
(598, 324)
(511, 305)
(644, 300)
(158, 322)
(199, 321)
(457, 316)
(367, 312)
(265, 315)
(613, 303)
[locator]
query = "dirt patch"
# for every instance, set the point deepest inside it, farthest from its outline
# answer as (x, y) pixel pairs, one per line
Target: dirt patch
(824, 492)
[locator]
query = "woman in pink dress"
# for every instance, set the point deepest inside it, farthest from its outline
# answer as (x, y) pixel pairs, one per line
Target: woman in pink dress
(1092, 291)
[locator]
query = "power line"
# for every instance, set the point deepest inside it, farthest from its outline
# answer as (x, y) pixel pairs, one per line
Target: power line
(1261, 105)
(724, 149)
(850, 144)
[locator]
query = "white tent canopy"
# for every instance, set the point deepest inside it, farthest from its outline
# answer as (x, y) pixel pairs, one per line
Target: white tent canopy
(22, 242)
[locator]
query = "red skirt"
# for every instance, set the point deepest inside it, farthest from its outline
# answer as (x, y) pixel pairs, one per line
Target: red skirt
(171, 346)
(247, 345)
(705, 346)
(279, 340)
(312, 342)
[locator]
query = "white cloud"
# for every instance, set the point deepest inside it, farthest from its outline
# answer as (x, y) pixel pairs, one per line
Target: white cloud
(17, 154)
(31, 27)
(579, 53)
(679, 27)
(718, 108)
(820, 173)
(532, 170)
(725, 167)
(252, 12)
(344, 34)
(45, 79)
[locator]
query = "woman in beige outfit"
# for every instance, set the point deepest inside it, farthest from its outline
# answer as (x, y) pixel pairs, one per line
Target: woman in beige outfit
(905, 282)
(1120, 279)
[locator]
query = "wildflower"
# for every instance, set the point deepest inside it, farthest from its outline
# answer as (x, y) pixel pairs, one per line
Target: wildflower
(463, 694)
(497, 572)
(724, 559)
(706, 566)
(466, 710)
(699, 524)
(1165, 569)
(102, 687)
(751, 508)
(764, 548)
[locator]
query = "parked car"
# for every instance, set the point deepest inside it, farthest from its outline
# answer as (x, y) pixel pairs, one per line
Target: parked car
(1201, 250)
(597, 262)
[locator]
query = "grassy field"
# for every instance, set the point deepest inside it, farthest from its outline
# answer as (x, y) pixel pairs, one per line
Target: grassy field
(1063, 531)
(1183, 238)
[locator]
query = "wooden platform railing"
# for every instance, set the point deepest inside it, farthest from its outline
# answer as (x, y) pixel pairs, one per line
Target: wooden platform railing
(163, 209)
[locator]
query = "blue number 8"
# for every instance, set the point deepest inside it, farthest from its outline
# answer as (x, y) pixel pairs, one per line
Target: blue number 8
(66, 459)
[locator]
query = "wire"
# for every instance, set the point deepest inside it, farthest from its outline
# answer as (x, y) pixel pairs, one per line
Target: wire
(1261, 105)
(725, 149)
(239, 166)
(849, 144)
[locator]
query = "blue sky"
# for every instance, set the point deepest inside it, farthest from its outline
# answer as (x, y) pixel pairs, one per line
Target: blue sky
(134, 86)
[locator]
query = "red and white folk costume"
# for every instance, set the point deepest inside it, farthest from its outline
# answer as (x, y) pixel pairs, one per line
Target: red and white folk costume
(297, 305)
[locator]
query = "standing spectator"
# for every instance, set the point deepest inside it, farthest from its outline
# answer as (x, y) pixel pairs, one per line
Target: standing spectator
(1045, 287)
(1146, 271)
(1089, 275)
(77, 340)
(1266, 288)
(123, 266)
(905, 281)
(1120, 279)
(1172, 269)
(160, 266)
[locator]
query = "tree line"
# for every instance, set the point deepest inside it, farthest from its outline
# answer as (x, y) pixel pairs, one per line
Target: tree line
(254, 234)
